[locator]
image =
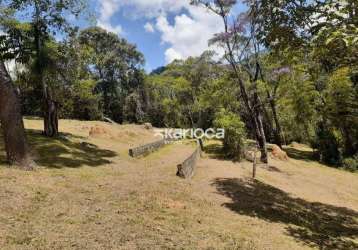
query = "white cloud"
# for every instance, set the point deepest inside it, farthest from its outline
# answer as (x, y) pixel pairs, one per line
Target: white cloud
(187, 36)
(171, 54)
(109, 27)
(149, 28)
(107, 9)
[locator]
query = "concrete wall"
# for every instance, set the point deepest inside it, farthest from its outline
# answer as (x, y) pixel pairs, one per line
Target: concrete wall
(147, 148)
(188, 167)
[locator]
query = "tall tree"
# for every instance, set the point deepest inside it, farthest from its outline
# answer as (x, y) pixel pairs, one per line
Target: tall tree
(115, 65)
(326, 33)
(11, 122)
(242, 51)
(47, 18)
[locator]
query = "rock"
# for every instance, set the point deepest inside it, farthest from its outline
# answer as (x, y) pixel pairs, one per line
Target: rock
(278, 153)
(187, 169)
(148, 126)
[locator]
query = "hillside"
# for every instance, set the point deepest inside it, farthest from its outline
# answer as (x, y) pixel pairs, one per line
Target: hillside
(89, 194)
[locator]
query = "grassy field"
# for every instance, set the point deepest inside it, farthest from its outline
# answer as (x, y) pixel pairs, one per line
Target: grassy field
(87, 193)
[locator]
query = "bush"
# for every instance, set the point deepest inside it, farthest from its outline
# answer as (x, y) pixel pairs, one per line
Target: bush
(234, 133)
(327, 143)
(351, 164)
(83, 104)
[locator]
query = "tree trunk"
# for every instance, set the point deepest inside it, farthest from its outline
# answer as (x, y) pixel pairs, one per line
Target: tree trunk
(262, 140)
(12, 124)
(50, 110)
(277, 131)
(50, 107)
(269, 127)
(260, 132)
(50, 117)
(254, 114)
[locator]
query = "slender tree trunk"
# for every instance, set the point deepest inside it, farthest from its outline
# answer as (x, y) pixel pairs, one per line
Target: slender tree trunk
(269, 128)
(12, 124)
(255, 116)
(260, 132)
(50, 115)
(262, 140)
(278, 130)
(50, 107)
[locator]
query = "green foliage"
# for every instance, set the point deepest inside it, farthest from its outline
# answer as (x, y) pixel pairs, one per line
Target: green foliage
(297, 108)
(341, 97)
(351, 164)
(92, 74)
(115, 65)
(328, 144)
(168, 101)
(235, 134)
(189, 93)
(339, 128)
(85, 102)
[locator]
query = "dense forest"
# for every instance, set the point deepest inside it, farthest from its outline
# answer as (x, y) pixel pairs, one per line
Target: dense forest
(289, 73)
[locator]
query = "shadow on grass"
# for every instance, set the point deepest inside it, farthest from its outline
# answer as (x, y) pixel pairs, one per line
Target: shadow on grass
(216, 151)
(319, 225)
(273, 169)
(61, 152)
(301, 154)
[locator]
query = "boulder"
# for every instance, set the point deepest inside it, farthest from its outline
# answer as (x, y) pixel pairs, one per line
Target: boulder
(148, 126)
(278, 153)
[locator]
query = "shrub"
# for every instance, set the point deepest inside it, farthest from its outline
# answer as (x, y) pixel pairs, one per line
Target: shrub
(234, 133)
(351, 164)
(327, 143)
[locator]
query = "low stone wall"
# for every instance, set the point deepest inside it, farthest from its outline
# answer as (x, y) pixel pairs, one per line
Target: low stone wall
(147, 148)
(187, 168)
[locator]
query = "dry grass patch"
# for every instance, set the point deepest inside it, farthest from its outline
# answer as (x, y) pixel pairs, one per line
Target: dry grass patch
(89, 194)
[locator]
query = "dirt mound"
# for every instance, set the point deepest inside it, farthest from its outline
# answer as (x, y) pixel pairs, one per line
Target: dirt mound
(98, 130)
(278, 153)
(85, 127)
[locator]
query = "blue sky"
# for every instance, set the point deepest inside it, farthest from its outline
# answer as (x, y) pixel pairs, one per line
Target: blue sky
(163, 30)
